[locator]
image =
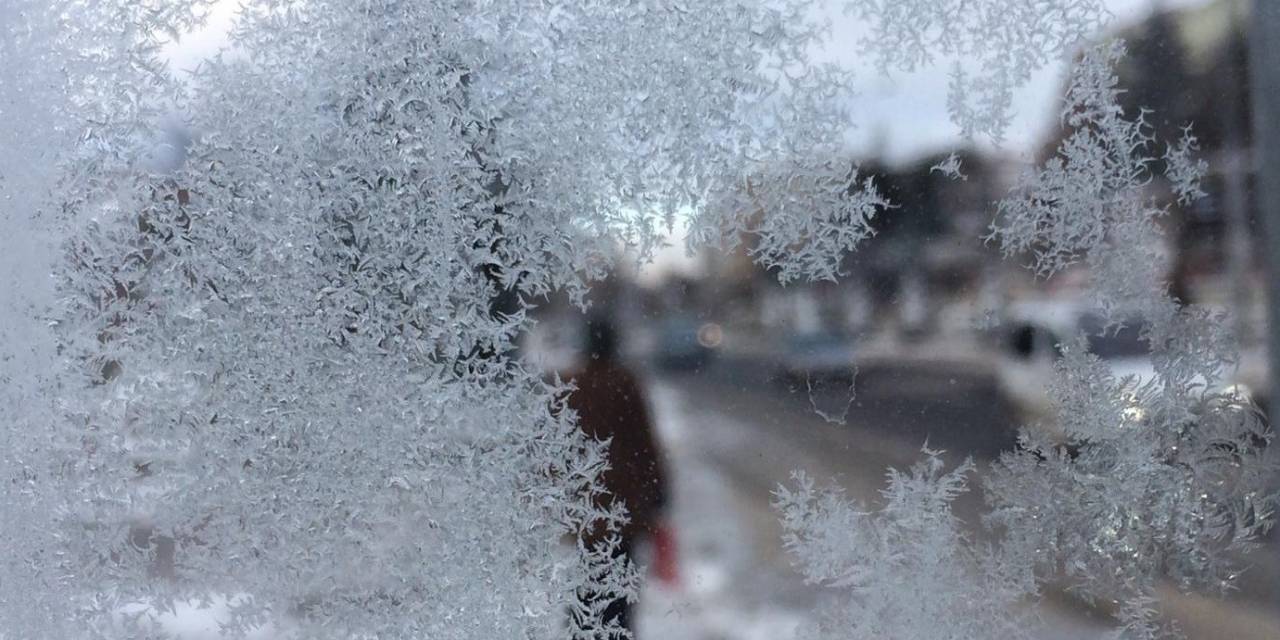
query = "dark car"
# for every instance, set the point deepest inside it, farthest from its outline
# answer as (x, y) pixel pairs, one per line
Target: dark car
(821, 355)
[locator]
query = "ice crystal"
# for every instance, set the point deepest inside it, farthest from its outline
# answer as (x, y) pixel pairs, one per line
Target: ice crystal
(79, 87)
(907, 570)
(286, 372)
(1184, 170)
(1005, 41)
(950, 167)
(1158, 479)
(279, 376)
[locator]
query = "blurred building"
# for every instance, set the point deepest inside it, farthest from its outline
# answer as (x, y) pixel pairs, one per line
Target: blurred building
(927, 257)
(928, 267)
(1187, 69)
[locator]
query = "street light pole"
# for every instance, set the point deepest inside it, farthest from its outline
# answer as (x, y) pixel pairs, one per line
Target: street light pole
(1264, 65)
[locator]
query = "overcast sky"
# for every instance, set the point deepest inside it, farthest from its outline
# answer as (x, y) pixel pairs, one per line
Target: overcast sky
(905, 116)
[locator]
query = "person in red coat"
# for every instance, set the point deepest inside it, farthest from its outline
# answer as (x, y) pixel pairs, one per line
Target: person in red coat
(611, 406)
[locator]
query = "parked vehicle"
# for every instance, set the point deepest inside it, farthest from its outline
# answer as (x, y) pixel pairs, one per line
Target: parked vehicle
(819, 355)
(1034, 333)
(1013, 363)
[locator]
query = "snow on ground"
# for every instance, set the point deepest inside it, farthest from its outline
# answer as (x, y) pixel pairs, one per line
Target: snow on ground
(724, 592)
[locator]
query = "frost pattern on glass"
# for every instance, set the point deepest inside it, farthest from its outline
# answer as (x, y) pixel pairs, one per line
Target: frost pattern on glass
(906, 570)
(994, 46)
(280, 376)
(78, 89)
(290, 383)
(1162, 479)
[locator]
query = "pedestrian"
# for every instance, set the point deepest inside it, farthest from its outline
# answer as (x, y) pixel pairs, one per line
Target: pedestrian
(611, 406)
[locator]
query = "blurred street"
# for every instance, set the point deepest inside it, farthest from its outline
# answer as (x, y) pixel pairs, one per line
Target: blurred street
(948, 342)
(733, 434)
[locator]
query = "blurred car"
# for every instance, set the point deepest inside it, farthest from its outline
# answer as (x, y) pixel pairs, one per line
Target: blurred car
(821, 355)
(1031, 341)
(1034, 333)
(685, 343)
(1013, 365)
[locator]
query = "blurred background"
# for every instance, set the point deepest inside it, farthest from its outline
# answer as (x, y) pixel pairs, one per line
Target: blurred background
(930, 337)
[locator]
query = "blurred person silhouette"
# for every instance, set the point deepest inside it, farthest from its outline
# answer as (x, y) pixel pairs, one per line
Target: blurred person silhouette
(611, 406)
